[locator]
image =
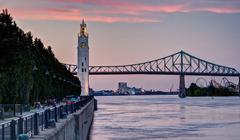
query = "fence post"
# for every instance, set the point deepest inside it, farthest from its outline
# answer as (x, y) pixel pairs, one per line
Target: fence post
(81, 101)
(61, 111)
(79, 105)
(66, 108)
(74, 107)
(20, 125)
(3, 132)
(1, 112)
(46, 118)
(21, 109)
(55, 114)
(13, 130)
(14, 110)
(35, 124)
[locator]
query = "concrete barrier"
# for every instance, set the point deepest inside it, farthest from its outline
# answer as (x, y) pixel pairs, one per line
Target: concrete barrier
(75, 127)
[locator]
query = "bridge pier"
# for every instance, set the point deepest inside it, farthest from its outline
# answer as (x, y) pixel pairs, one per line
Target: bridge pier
(182, 90)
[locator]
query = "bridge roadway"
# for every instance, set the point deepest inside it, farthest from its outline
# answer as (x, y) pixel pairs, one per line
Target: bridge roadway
(180, 63)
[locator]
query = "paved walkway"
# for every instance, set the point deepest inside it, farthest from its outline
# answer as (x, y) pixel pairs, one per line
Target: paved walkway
(27, 113)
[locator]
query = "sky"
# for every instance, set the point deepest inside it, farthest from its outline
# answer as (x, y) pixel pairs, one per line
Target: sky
(132, 31)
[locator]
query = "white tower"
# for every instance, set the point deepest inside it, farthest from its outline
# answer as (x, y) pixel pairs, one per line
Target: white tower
(83, 59)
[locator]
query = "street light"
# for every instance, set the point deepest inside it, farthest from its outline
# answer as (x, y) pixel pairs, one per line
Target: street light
(35, 69)
(54, 76)
(47, 73)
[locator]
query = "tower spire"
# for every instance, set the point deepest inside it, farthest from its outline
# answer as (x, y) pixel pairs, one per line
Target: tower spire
(83, 21)
(83, 28)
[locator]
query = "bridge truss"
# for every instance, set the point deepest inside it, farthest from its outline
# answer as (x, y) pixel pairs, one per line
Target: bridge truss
(180, 63)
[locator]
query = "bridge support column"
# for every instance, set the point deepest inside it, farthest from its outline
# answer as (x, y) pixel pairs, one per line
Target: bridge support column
(182, 90)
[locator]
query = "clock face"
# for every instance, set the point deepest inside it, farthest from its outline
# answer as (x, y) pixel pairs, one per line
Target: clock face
(83, 40)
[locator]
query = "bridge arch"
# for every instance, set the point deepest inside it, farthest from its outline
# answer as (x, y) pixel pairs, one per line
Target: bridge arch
(180, 63)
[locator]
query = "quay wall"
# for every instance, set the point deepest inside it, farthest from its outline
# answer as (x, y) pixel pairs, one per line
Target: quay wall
(76, 127)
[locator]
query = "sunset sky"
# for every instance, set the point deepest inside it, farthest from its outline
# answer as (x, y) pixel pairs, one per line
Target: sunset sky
(132, 31)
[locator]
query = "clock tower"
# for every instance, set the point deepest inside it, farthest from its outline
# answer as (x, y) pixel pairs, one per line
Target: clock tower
(83, 59)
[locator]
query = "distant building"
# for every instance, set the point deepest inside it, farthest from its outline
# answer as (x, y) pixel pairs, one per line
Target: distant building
(122, 88)
(134, 90)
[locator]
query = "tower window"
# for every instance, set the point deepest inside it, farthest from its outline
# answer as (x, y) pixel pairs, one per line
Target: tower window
(85, 70)
(82, 70)
(82, 64)
(85, 59)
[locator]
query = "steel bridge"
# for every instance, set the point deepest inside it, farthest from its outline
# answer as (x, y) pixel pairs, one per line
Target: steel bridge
(180, 63)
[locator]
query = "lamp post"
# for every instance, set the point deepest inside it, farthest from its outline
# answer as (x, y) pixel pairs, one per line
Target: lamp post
(47, 74)
(54, 76)
(35, 69)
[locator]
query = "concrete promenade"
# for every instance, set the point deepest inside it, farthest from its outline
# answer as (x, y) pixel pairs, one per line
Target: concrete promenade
(75, 127)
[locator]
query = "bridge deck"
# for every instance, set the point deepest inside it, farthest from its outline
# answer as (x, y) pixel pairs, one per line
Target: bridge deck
(180, 63)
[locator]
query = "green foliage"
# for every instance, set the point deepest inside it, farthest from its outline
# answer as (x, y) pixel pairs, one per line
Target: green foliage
(194, 90)
(19, 55)
(0, 98)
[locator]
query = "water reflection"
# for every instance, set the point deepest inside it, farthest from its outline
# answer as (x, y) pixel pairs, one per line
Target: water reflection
(166, 117)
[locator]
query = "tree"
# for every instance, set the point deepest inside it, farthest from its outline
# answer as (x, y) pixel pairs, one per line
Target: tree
(30, 71)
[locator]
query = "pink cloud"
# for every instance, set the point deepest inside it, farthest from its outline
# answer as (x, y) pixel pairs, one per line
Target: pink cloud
(156, 8)
(221, 10)
(97, 2)
(110, 11)
(120, 19)
(130, 6)
(115, 12)
(72, 15)
(138, 7)
(46, 14)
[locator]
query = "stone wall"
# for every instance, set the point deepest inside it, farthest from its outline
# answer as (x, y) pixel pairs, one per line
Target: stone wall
(75, 127)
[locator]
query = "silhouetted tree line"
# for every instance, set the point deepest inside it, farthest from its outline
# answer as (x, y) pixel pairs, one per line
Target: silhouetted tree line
(29, 71)
(195, 90)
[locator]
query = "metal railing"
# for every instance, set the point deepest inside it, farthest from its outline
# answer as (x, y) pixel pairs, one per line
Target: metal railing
(12, 110)
(33, 123)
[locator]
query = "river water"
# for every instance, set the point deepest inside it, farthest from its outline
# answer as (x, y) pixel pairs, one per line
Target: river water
(166, 118)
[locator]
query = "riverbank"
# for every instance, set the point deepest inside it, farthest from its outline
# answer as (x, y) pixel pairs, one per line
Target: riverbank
(137, 94)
